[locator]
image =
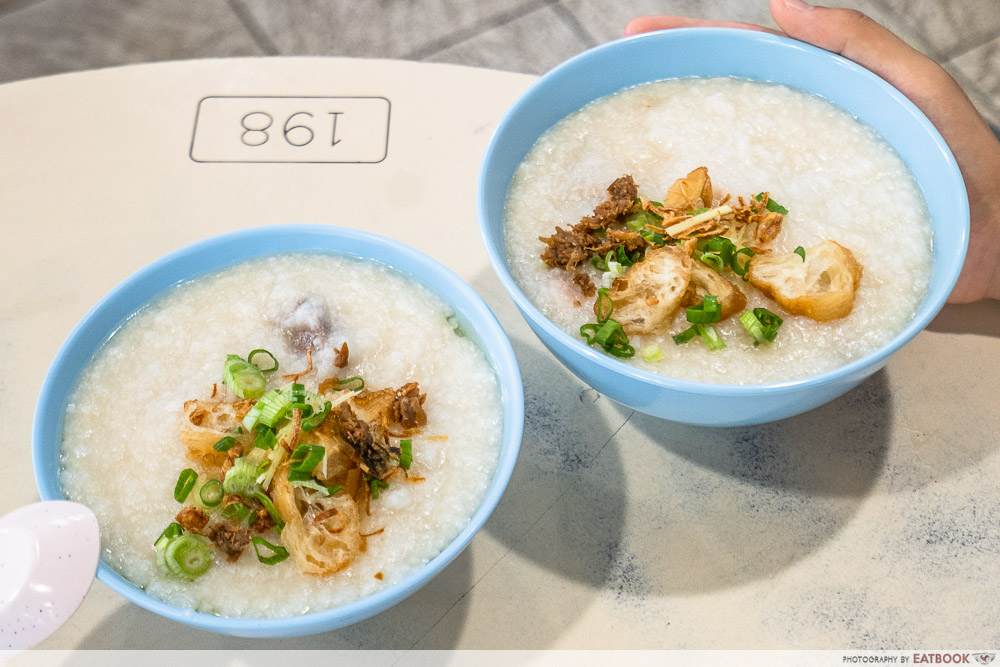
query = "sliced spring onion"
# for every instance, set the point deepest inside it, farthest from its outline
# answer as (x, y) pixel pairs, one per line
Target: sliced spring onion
(211, 493)
(769, 321)
(773, 206)
(171, 531)
(274, 405)
(405, 453)
(742, 269)
(604, 305)
(706, 312)
(712, 260)
(241, 478)
(313, 422)
(599, 263)
(264, 437)
(278, 554)
(652, 353)
(185, 482)
(721, 246)
(621, 350)
(376, 485)
(236, 511)
(356, 381)
(305, 458)
(263, 370)
(243, 378)
(710, 336)
(225, 444)
(587, 332)
(332, 490)
(626, 259)
(801, 252)
(753, 327)
(187, 556)
(686, 335)
(262, 498)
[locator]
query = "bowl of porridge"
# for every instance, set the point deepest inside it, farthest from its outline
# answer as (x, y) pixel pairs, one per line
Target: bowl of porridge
(282, 430)
(721, 227)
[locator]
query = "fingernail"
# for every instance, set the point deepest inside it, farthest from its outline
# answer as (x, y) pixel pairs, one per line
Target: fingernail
(798, 5)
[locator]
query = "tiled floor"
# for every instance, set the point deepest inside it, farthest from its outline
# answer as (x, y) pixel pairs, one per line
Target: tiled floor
(39, 37)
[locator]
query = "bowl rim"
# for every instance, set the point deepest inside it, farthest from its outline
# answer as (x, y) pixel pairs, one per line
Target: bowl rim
(927, 310)
(453, 292)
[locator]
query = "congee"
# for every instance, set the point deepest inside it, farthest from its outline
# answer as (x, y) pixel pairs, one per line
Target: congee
(719, 230)
(285, 436)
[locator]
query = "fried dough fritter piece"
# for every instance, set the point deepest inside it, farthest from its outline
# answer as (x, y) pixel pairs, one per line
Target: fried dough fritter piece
(822, 287)
(705, 281)
(651, 292)
(322, 532)
(207, 422)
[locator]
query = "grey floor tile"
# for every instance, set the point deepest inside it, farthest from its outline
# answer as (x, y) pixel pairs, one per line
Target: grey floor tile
(978, 71)
(533, 44)
(606, 19)
(66, 35)
(382, 29)
(950, 26)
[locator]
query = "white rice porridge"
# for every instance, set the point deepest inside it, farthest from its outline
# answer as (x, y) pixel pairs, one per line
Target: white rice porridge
(121, 450)
(838, 179)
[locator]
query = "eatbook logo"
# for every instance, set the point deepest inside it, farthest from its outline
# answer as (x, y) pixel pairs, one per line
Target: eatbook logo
(984, 658)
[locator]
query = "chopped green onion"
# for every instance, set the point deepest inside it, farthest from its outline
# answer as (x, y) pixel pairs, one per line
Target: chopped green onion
(274, 405)
(652, 353)
(686, 335)
(721, 246)
(356, 380)
(405, 453)
(263, 370)
(625, 259)
(638, 222)
(262, 498)
(334, 489)
(317, 419)
(753, 327)
(243, 378)
(801, 252)
(611, 332)
(375, 485)
(604, 305)
(305, 458)
(599, 263)
(712, 260)
(264, 438)
(588, 330)
(278, 554)
(185, 482)
(241, 478)
(297, 393)
(187, 556)
(621, 350)
(742, 269)
(310, 484)
(698, 211)
(773, 206)
(710, 336)
(769, 321)
(171, 531)
(211, 493)
(237, 511)
(705, 312)
(225, 444)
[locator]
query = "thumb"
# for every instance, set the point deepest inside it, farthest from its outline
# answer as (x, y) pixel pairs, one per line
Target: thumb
(853, 35)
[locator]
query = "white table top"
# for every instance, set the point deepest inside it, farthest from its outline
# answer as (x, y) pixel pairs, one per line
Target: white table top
(872, 522)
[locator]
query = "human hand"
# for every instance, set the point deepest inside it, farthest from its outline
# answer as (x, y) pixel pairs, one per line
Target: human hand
(977, 151)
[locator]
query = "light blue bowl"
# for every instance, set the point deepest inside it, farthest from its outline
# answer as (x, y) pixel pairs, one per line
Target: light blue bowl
(706, 52)
(213, 255)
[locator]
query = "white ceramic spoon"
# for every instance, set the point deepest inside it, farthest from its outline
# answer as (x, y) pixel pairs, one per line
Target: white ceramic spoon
(48, 557)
